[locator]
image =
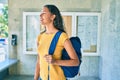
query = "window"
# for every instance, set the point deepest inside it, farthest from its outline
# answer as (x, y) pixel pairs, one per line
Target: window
(85, 25)
(88, 29)
(31, 29)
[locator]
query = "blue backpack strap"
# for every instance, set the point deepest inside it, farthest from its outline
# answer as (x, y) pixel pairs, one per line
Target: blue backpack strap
(53, 46)
(54, 42)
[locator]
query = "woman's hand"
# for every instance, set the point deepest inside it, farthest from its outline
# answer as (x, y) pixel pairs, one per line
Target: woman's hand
(49, 59)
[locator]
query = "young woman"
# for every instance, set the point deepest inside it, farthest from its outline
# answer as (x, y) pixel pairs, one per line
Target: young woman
(51, 18)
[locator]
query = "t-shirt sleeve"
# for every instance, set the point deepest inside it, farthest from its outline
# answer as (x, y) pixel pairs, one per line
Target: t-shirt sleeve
(63, 37)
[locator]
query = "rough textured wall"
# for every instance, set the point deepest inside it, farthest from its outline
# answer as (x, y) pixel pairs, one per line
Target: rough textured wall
(26, 63)
(110, 41)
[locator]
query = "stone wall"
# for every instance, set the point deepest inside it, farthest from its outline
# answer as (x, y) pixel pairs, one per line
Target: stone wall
(110, 41)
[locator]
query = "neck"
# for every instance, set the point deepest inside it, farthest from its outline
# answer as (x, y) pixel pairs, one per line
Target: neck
(51, 29)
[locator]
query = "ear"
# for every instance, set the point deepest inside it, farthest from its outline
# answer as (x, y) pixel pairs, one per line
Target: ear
(53, 17)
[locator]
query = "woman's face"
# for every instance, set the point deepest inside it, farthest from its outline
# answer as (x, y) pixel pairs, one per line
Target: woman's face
(46, 17)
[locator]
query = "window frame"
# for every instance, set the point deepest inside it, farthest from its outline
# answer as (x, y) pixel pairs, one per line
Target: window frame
(25, 14)
(74, 29)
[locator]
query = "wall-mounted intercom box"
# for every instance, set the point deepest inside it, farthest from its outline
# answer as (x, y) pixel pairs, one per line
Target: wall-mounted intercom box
(14, 39)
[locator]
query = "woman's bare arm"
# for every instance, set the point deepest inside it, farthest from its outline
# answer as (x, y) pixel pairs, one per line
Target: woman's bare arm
(74, 61)
(37, 70)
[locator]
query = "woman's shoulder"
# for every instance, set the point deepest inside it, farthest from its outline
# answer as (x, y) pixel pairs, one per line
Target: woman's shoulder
(64, 34)
(63, 37)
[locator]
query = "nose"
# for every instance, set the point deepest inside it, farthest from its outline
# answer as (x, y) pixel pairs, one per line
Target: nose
(40, 15)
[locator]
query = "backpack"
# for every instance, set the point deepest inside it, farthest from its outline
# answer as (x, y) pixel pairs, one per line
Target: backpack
(69, 71)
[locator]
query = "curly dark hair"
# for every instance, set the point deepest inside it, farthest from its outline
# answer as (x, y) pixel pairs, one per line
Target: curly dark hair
(58, 21)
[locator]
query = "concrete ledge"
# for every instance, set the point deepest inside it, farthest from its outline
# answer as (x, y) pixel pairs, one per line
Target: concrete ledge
(7, 63)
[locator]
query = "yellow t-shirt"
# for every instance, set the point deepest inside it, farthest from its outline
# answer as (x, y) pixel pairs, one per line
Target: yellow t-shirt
(55, 72)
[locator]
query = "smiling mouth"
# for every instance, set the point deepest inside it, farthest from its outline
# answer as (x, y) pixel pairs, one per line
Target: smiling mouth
(41, 20)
